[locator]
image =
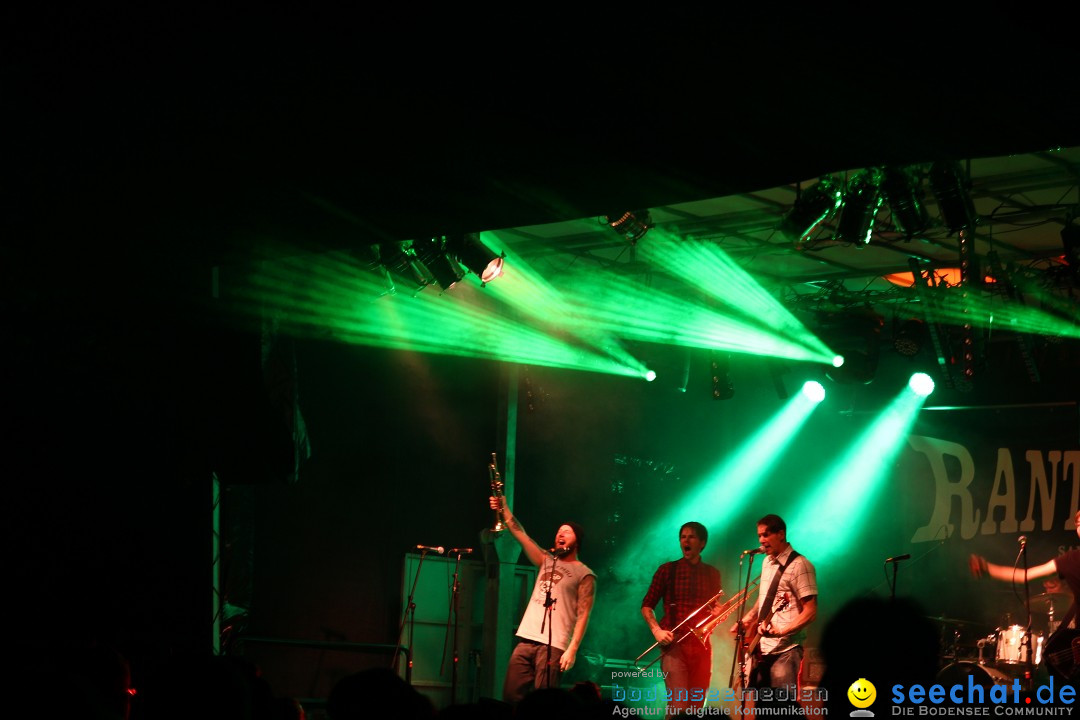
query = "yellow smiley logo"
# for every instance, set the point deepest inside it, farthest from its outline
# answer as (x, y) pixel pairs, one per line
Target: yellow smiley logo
(862, 693)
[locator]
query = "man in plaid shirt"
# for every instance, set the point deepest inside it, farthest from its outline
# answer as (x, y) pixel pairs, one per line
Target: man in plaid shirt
(685, 586)
(780, 628)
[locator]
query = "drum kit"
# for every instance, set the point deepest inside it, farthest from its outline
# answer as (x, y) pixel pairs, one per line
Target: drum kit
(996, 658)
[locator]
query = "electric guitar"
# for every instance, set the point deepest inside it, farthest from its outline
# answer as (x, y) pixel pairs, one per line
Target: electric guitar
(1062, 655)
(747, 652)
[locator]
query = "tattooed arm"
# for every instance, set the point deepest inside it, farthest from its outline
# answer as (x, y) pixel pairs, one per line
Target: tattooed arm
(533, 551)
(586, 593)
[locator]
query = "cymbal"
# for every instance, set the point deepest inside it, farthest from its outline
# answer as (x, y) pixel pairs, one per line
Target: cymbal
(950, 621)
(1059, 601)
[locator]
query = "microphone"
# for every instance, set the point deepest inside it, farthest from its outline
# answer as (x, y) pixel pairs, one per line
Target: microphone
(898, 558)
(440, 550)
(559, 551)
(459, 551)
(752, 551)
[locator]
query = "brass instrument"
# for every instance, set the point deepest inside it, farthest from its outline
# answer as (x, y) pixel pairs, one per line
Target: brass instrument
(704, 627)
(497, 492)
(689, 617)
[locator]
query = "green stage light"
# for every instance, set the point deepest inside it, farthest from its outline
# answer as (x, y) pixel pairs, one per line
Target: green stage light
(603, 309)
(399, 260)
(650, 376)
(433, 252)
(333, 297)
(721, 495)
(961, 305)
(856, 335)
(862, 200)
(950, 187)
(529, 293)
(903, 192)
(710, 270)
(838, 505)
(813, 390)
(921, 384)
(837, 361)
(813, 206)
(608, 303)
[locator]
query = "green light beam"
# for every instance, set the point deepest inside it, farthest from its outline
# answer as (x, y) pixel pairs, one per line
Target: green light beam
(835, 512)
(631, 311)
(330, 298)
(715, 273)
(1063, 309)
(958, 307)
(525, 290)
(725, 492)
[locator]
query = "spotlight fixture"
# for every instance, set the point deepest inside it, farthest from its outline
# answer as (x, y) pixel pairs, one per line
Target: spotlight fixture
(401, 261)
(856, 336)
(477, 257)
(903, 192)
(439, 260)
(951, 192)
(378, 267)
(813, 206)
(443, 266)
(921, 384)
(632, 224)
(862, 201)
(813, 391)
(909, 336)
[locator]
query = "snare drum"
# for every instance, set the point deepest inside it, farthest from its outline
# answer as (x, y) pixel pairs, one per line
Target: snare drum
(1011, 649)
(957, 673)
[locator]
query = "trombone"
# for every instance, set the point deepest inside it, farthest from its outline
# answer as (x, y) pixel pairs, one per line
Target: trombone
(703, 628)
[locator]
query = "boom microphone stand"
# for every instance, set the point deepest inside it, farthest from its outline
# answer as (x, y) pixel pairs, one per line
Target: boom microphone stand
(740, 634)
(549, 607)
(410, 613)
(895, 562)
(453, 615)
(1029, 674)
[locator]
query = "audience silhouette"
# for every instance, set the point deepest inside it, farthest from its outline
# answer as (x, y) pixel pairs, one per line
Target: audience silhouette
(849, 652)
(377, 693)
(213, 687)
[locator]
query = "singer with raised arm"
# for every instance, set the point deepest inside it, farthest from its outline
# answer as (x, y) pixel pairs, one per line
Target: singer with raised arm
(1062, 650)
(688, 589)
(775, 627)
(554, 622)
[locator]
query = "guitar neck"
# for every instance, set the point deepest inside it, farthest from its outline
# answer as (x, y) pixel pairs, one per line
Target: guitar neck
(755, 639)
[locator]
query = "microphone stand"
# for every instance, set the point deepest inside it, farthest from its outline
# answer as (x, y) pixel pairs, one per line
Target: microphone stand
(740, 638)
(1029, 675)
(453, 613)
(895, 570)
(549, 607)
(410, 615)
(895, 562)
